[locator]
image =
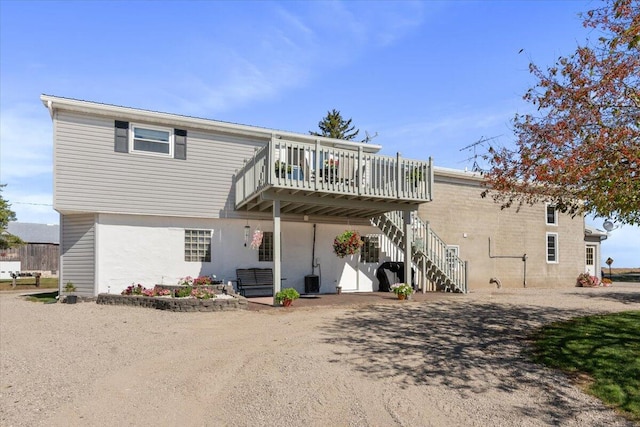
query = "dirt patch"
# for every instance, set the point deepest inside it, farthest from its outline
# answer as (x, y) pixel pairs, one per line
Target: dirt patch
(444, 362)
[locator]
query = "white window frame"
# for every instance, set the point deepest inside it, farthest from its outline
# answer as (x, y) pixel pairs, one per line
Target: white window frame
(557, 248)
(546, 214)
(133, 126)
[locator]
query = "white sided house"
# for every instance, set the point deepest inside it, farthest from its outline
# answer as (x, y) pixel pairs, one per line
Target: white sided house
(149, 197)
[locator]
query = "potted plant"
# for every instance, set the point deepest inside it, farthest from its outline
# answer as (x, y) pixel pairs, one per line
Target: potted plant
(280, 168)
(402, 290)
(69, 288)
(330, 170)
(286, 296)
(415, 176)
(347, 243)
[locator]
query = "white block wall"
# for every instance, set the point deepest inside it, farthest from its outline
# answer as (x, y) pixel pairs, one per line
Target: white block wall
(150, 250)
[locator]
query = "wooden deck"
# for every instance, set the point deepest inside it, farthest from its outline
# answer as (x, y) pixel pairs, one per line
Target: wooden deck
(313, 179)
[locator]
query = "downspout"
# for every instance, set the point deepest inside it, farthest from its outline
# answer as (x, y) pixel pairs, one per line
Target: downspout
(313, 252)
(522, 257)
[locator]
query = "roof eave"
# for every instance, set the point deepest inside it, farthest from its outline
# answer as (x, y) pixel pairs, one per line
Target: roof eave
(53, 103)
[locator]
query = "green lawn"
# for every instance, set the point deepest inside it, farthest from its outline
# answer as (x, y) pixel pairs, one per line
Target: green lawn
(45, 283)
(606, 348)
(46, 297)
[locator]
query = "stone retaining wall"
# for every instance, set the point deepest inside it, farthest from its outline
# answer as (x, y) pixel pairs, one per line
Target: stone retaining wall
(175, 304)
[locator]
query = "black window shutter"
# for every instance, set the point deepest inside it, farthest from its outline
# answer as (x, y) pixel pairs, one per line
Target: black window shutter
(121, 144)
(180, 144)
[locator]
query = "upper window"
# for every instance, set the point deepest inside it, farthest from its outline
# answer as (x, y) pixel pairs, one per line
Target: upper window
(552, 215)
(370, 251)
(197, 245)
(552, 247)
(151, 140)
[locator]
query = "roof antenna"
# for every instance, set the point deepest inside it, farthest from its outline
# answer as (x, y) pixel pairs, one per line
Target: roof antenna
(368, 137)
(476, 167)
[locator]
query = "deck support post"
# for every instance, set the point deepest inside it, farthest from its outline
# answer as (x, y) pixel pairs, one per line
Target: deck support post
(408, 238)
(277, 256)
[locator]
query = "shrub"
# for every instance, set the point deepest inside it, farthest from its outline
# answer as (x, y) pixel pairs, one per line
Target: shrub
(587, 281)
(155, 292)
(184, 291)
(202, 293)
(133, 290)
(202, 281)
(287, 293)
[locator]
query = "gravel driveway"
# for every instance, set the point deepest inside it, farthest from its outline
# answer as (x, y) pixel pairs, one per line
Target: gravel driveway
(455, 361)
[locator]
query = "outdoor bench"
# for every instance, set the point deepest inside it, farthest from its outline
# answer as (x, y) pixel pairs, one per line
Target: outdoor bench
(15, 276)
(259, 280)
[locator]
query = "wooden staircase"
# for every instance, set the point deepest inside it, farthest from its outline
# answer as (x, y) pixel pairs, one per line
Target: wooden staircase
(437, 267)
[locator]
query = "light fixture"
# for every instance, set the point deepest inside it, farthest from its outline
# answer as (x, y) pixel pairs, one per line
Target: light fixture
(609, 225)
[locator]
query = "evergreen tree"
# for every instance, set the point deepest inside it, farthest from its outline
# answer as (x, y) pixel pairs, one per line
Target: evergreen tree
(6, 214)
(334, 126)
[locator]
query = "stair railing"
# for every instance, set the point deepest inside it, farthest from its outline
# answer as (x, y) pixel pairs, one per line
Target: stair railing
(429, 251)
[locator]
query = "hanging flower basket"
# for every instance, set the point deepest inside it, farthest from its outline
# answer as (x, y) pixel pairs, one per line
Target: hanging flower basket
(257, 239)
(347, 243)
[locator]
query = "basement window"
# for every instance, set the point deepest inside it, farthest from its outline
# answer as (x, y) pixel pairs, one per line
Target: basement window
(197, 245)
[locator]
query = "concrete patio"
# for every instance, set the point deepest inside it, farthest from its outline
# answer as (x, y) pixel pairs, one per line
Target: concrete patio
(349, 299)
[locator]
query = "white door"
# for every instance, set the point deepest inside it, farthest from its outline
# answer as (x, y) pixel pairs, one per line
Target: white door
(590, 260)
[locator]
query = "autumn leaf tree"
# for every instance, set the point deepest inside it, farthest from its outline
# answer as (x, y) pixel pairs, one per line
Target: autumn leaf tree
(581, 150)
(334, 126)
(6, 214)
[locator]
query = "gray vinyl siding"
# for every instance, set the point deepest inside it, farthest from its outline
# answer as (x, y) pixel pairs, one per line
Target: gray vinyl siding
(78, 252)
(92, 177)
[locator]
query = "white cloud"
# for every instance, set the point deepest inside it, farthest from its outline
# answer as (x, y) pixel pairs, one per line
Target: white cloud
(32, 207)
(26, 162)
(294, 43)
(444, 135)
(25, 142)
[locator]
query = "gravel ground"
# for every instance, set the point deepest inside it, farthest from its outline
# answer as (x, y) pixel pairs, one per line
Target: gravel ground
(455, 361)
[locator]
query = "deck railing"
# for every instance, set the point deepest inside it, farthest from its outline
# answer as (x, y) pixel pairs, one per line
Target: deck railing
(316, 167)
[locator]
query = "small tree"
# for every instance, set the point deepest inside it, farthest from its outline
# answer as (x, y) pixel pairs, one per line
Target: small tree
(582, 151)
(6, 214)
(334, 126)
